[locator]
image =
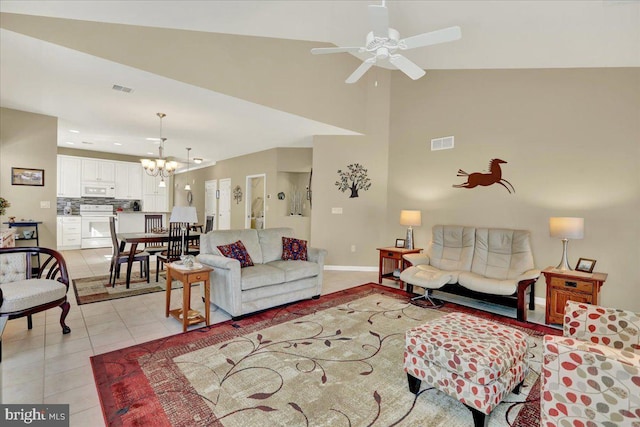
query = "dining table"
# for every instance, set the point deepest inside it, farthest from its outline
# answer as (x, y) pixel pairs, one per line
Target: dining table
(136, 238)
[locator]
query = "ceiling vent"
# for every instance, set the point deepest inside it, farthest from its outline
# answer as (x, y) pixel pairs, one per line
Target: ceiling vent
(444, 143)
(122, 89)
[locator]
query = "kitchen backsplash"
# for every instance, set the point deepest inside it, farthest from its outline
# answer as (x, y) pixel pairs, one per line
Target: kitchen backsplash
(127, 205)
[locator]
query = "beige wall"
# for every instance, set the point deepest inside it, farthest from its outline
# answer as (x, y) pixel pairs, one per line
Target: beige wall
(572, 142)
(29, 140)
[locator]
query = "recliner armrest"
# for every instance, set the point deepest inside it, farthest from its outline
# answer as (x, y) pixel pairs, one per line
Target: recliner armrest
(416, 259)
(529, 275)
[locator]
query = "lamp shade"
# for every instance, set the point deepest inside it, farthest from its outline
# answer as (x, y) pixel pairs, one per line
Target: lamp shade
(410, 218)
(184, 214)
(566, 227)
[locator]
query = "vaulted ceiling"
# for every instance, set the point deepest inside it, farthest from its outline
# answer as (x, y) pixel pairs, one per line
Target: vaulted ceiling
(236, 77)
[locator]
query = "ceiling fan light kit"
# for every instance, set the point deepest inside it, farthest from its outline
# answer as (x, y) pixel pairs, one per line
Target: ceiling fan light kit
(383, 42)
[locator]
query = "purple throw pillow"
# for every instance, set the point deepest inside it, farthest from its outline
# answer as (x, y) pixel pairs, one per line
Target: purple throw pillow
(294, 249)
(237, 251)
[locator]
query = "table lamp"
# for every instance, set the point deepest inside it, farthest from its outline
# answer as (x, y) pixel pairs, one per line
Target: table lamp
(184, 215)
(566, 228)
(412, 219)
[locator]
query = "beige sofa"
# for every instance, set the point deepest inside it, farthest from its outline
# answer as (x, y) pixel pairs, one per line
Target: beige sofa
(270, 282)
(492, 264)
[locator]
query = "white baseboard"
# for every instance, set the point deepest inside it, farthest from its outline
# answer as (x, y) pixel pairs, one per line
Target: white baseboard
(350, 268)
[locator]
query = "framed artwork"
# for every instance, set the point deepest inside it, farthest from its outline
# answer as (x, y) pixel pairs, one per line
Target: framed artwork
(400, 243)
(26, 176)
(585, 265)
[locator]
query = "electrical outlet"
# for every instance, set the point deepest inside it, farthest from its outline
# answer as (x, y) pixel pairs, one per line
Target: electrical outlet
(353, 248)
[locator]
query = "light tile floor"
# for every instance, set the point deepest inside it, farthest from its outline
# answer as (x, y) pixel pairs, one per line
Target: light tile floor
(43, 366)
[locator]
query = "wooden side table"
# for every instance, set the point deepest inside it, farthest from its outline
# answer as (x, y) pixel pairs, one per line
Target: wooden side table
(570, 285)
(390, 260)
(188, 277)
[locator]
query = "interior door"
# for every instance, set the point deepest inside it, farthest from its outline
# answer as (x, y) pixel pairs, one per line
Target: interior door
(211, 201)
(255, 201)
(224, 204)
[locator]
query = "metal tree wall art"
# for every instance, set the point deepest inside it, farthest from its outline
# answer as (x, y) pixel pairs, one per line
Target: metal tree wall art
(485, 179)
(237, 194)
(354, 178)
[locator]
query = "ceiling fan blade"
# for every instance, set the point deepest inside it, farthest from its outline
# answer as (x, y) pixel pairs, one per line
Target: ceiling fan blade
(379, 20)
(434, 37)
(359, 72)
(407, 67)
(324, 50)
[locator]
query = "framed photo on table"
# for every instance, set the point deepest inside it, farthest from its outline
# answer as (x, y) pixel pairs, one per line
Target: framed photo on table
(585, 265)
(400, 243)
(26, 176)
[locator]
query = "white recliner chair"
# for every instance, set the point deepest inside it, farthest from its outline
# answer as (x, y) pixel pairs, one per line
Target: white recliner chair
(449, 253)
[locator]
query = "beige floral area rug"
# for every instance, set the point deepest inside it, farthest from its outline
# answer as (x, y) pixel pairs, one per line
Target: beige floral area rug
(97, 288)
(333, 362)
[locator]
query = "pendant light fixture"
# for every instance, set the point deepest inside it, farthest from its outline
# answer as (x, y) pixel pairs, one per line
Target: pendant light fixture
(160, 167)
(187, 186)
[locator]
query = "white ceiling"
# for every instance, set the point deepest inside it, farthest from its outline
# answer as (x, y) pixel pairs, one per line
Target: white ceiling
(41, 77)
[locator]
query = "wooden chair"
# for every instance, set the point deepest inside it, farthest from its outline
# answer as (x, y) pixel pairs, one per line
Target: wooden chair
(26, 289)
(174, 247)
(120, 256)
(153, 222)
(209, 224)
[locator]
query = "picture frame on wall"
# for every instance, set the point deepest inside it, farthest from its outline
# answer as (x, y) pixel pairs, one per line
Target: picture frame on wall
(400, 243)
(585, 265)
(27, 176)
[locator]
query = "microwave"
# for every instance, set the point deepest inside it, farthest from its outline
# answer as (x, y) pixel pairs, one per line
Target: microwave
(98, 189)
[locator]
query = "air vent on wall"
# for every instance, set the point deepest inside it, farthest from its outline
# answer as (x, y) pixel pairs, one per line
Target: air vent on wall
(444, 143)
(122, 88)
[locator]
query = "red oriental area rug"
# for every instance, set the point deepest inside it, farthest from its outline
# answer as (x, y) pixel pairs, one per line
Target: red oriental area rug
(337, 360)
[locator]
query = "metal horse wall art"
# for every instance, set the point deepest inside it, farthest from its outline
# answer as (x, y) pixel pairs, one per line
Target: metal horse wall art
(485, 179)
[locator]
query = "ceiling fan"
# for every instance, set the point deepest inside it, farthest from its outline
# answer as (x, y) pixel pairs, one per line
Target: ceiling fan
(383, 43)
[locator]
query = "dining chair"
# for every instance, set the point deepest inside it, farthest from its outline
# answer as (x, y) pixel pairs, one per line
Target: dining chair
(120, 256)
(153, 223)
(209, 224)
(174, 246)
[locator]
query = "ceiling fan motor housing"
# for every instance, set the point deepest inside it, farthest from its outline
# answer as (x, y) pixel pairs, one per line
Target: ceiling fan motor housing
(373, 43)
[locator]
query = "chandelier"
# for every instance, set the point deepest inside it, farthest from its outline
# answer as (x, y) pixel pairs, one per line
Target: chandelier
(160, 166)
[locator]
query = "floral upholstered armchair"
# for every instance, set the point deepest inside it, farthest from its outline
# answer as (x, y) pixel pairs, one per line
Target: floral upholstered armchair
(591, 375)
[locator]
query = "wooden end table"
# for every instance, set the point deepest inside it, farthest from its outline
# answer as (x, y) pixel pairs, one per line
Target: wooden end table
(570, 285)
(188, 277)
(391, 259)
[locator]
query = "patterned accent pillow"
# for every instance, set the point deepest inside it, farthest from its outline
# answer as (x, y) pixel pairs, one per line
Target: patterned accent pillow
(237, 251)
(294, 249)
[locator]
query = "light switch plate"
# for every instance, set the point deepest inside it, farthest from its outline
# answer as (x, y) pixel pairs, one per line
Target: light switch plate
(336, 211)
(45, 204)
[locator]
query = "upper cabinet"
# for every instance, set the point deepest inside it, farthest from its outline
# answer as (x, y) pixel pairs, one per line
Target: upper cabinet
(98, 170)
(128, 181)
(69, 172)
(155, 198)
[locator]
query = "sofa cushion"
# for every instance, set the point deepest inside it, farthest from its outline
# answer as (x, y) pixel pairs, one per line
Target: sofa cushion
(478, 283)
(294, 249)
(209, 242)
(271, 242)
(30, 293)
(236, 250)
(261, 275)
(295, 270)
(451, 247)
(501, 253)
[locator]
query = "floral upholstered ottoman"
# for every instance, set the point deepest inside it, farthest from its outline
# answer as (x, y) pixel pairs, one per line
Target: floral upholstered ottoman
(471, 359)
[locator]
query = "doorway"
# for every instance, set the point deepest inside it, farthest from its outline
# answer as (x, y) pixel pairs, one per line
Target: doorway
(255, 206)
(211, 201)
(224, 204)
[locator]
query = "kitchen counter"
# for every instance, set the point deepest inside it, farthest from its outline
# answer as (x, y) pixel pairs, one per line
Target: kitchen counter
(133, 221)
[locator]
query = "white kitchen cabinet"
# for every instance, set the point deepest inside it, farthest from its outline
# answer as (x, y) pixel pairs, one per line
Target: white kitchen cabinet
(98, 170)
(128, 181)
(69, 232)
(68, 175)
(155, 198)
